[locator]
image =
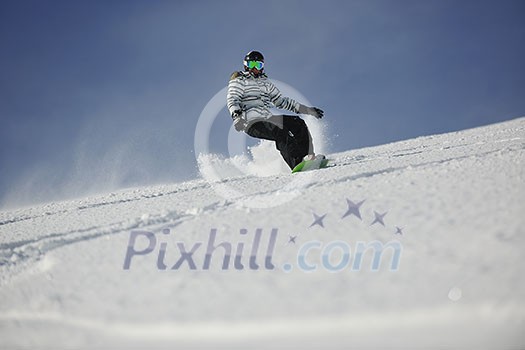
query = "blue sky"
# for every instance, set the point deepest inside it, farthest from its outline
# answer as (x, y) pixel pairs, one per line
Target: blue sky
(97, 95)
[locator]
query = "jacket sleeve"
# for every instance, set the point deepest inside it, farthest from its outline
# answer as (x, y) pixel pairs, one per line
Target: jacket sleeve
(235, 93)
(281, 101)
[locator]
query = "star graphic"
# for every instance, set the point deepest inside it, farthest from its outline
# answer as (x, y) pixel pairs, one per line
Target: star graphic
(379, 218)
(399, 231)
(353, 208)
(292, 239)
(318, 220)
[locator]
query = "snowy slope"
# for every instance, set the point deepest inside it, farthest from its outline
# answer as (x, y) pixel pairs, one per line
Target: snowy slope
(457, 200)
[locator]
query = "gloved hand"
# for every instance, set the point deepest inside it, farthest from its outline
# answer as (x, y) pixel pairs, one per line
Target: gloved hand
(313, 111)
(236, 113)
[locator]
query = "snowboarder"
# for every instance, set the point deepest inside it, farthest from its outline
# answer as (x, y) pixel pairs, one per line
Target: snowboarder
(251, 95)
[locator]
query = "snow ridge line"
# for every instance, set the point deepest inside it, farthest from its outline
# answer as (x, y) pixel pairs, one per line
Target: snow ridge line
(418, 150)
(104, 203)
(401, 168)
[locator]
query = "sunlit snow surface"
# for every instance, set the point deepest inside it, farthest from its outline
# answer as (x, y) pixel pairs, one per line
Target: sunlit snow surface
(454, 202)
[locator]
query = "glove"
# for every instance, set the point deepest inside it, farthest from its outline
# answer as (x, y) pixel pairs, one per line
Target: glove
(236, 113)
(313, 111)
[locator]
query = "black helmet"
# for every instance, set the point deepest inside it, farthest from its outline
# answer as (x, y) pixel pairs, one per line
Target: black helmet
(253, 56)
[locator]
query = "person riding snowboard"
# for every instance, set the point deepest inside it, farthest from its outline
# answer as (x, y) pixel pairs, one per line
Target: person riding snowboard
(251, 95)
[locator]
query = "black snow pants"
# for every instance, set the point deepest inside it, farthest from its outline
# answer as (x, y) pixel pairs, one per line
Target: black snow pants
(290, 133)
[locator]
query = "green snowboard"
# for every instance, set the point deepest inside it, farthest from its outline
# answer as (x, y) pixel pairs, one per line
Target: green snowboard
(313, 164)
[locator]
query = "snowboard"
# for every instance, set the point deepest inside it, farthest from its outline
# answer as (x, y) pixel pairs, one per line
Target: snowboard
(313, 164)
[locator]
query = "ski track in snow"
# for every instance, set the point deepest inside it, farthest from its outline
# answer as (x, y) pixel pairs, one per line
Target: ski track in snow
(30, 236)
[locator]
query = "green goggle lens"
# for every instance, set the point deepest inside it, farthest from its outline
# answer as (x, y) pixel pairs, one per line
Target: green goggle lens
(255, 64)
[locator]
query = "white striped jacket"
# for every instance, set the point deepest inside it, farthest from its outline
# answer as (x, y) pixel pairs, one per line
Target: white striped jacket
(254, 96)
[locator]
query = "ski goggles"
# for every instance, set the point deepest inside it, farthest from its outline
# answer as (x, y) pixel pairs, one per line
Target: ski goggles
(254, 64)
